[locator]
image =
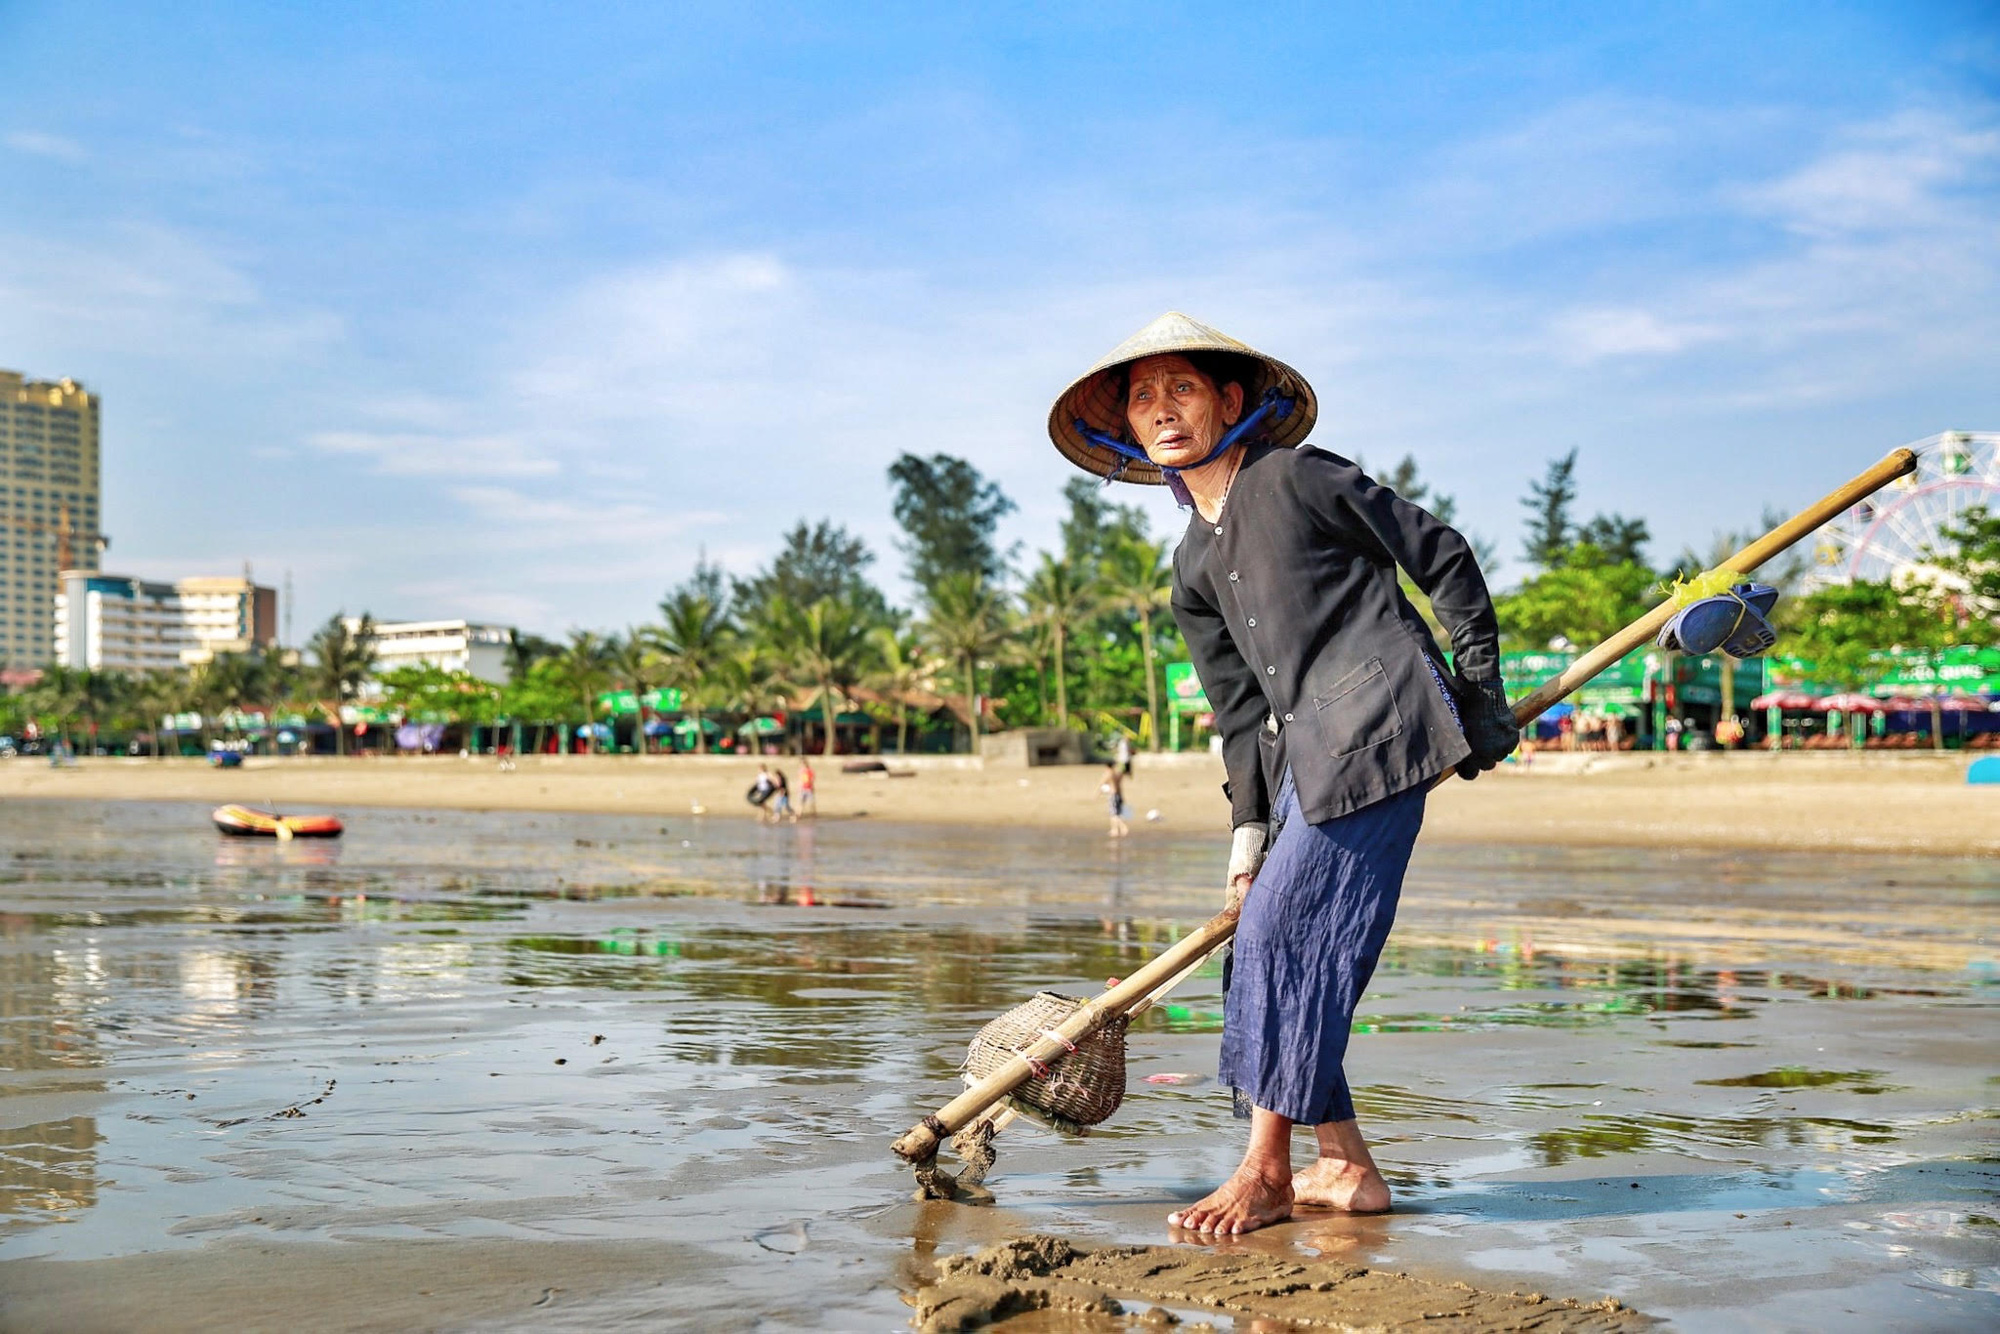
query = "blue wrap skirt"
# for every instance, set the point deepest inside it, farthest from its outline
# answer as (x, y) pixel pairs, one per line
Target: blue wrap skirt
(1312, 929)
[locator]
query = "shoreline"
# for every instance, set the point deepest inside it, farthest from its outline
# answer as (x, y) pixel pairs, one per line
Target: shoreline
(1808, 803)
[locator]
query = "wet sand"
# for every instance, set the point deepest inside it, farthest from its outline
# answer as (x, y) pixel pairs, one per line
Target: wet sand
(522, 1069)
(1809, 802)
(1158, 1285)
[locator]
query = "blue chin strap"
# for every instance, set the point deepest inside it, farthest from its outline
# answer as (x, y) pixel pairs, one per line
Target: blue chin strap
(1274, 406)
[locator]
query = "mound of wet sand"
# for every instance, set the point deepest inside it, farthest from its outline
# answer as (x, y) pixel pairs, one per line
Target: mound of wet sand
(1040, 1273)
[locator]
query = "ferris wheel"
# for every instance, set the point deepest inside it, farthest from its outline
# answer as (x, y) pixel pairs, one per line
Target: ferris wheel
(1902, 525)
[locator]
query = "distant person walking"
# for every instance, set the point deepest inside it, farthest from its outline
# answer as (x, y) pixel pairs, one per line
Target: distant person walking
(780, 805)
(1114, 785)
(761, 790)
(808, 793)
(1122, 756)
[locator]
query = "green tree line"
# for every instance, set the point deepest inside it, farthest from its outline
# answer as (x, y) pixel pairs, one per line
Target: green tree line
(1073, 637)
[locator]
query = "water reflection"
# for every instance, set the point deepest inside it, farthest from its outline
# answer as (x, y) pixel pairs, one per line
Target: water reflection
(519, 1011)
(47, 998)
(1599, 1136)
(48, 1171)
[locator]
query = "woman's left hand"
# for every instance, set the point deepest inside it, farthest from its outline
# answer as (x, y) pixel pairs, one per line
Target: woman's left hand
(1246, 858)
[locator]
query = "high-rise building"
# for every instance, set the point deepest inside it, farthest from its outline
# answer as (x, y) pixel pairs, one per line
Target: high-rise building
(108, 622)
(49, 494)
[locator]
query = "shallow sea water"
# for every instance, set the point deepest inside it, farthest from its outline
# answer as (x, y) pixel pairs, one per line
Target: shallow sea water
(602, 1070)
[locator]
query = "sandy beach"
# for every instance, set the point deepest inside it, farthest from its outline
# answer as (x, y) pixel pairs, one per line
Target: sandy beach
(1800, 802)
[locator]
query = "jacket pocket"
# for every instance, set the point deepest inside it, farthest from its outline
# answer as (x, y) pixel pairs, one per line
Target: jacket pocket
(1358, 711)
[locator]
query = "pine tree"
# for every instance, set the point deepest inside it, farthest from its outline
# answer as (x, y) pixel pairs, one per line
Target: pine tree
(950, 514)
(1550, 532)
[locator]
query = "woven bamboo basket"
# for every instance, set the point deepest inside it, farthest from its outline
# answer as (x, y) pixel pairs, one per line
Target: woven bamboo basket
(1081, 1088)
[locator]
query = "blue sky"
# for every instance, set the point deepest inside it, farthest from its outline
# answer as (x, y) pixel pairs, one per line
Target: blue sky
(508, 310)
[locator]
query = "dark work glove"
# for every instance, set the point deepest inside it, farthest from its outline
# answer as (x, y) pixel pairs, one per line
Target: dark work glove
(1489, 727)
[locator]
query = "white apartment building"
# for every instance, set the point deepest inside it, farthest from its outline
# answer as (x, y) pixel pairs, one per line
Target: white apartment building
(110, 622)
(456, 646)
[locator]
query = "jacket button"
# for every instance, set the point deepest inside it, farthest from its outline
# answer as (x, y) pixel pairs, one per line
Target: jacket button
(1253, 620)
(1288, 717)
(1218, 530)
(1232, 576)
(1270, 671)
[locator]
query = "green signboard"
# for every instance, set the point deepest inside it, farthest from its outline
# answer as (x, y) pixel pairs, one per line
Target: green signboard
(1184, 692)
(1976, 671)
(622, 703)
(1627, 683)
(1961, 668)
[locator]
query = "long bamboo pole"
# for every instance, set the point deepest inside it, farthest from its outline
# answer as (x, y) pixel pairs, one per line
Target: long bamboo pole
(1155, 979)
(1900, 463)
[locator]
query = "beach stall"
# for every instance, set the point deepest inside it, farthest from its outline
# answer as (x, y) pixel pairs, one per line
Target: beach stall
(625, 710)
(762, 735)
(851, 731)
(685, 731)
(1629, 705)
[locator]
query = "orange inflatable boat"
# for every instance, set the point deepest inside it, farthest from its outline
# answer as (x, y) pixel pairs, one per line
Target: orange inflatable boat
(246, 822)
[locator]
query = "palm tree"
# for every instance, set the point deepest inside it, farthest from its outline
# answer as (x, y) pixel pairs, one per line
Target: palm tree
(586, 669)
(825, 646)
(1059, 597)
(898, 672)
(60, 695)
(1138, 577)
(215, 689)
(743, 679)
(966, 621)
(694, 638)
(103, 694)
(159, 695)
(636, 665)
(342, 659)
(524, 651)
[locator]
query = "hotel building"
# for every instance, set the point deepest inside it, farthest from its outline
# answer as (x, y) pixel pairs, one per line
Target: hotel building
(49, 493)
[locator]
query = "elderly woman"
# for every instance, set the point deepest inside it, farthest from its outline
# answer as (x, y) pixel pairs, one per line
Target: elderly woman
(1336, 709)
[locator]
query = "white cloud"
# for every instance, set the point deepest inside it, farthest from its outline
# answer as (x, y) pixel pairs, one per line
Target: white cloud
(152, 293)
(1596, 332)
(1896, 174)
(539, 521)
(36, 143)
(411, 454)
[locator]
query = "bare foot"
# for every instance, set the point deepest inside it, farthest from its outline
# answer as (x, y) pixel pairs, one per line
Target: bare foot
(1333, 1183)
(1250, 1199)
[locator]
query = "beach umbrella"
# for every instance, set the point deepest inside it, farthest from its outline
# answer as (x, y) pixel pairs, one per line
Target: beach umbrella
(1783, 699)
(1960, 702)
(1849, 702)
(1904, 704)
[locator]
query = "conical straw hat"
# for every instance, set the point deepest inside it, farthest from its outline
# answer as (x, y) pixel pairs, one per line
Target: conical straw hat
(1094, 396)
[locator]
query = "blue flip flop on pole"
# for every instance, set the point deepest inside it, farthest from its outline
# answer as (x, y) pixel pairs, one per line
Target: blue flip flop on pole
(1733, 622)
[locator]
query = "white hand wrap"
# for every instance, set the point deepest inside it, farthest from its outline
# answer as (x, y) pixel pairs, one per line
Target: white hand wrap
(1246, 851)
